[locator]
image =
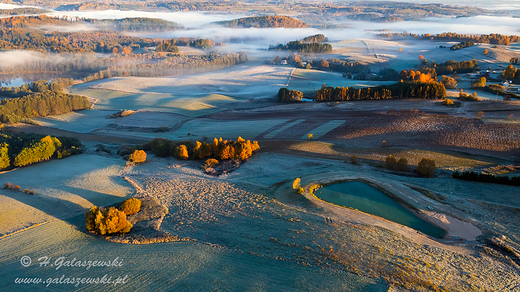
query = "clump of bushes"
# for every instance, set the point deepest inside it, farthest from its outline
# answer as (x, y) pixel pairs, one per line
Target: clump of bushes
(448, 102)
(466, 97)
(138, 156)
(107, 221)
(353, 159)
(130, 206)
(219, 149)
(296, 185)
(426, 167)
(391, 162)
(17, 188)
(210, 162)
(402, 164)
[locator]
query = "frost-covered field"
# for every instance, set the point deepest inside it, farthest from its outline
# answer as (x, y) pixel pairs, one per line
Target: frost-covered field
(244, 81)
(81, 121)
(62, 188)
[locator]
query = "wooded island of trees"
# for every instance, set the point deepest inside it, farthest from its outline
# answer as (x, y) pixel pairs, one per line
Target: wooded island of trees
(264, 22)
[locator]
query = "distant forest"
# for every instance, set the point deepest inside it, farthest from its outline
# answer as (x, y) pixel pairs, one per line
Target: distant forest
(263, 22)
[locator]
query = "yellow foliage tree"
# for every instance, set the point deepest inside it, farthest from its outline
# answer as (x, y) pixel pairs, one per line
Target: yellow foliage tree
(296, 183)
(139, 156)
(181, 152)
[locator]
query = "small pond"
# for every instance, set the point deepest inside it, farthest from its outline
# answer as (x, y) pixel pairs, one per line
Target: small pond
(361, 196)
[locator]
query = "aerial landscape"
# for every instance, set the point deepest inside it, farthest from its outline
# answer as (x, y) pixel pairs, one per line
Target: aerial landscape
(221, 145)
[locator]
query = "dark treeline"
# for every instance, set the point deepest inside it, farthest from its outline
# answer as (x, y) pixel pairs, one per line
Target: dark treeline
(23, 10)
(35, 103)
(487, 178)
(264, 22)
(496, 39)
(317, 38)
(22, 149)
(451, 67)
(462, 45)
(298, 46)
(221, 149)
(173, 66)
(400, 90)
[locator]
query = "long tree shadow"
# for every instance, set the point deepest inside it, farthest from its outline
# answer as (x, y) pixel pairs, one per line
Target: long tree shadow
(61, 209)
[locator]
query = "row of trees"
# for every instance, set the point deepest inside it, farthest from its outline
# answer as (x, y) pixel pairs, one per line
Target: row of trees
(17, 150)
(175, 65)
(400, 90)
(221, 149)
(487, 178)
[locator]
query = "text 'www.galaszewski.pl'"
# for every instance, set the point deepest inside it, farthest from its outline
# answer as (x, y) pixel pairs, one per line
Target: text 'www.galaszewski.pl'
(63, 263)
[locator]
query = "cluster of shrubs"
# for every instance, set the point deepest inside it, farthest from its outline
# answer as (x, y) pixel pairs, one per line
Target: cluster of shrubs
(467, 97)
(426, 167)
(17, 150)
(221, 149)
(393, 163)
(209, 163)
(487, 178)
(138, 156)
(462, 45)
(296, 185)
(17, 188)
(112, 220)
